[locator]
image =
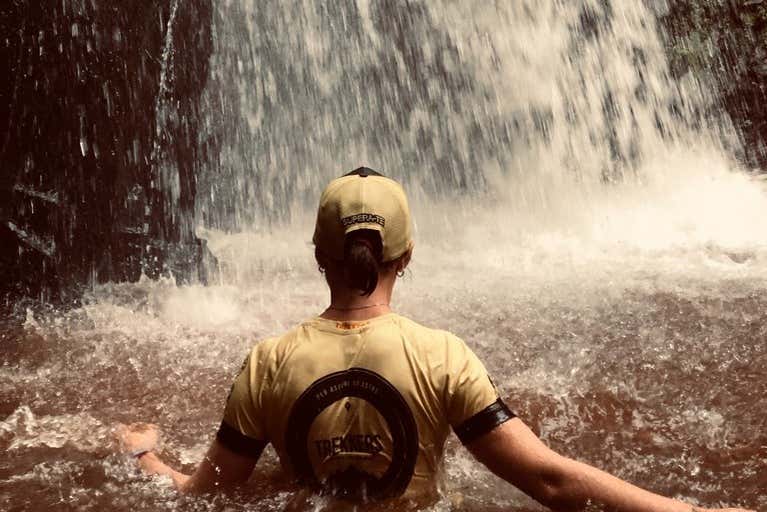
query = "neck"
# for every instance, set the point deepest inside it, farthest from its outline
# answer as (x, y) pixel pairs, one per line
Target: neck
(349, 305)
(356, 315)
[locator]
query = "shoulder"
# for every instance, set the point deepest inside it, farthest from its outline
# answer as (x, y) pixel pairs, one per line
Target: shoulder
(441, 348)
(432, 332)
(428, 339)
(269, 351)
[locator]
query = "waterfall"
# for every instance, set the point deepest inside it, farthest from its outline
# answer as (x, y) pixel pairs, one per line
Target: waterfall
(538, 118)
(166, 178)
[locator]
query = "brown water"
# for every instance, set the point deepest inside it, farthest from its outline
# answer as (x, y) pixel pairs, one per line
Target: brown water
(659, 379)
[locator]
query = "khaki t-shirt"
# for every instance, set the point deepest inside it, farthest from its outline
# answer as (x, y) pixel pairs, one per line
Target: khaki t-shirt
(360, 408)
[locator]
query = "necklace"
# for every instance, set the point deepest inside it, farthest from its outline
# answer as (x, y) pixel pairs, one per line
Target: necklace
(357, 307)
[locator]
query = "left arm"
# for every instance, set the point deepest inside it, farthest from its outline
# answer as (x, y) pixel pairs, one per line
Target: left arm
(220, 468)
(239, 442)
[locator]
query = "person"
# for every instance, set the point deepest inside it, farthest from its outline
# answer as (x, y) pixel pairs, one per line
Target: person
(358, 402)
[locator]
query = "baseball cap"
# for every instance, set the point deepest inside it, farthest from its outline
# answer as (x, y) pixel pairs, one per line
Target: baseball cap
(363, 199)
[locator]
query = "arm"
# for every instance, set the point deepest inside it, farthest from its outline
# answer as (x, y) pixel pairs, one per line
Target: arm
(220, 468)
(513, 452)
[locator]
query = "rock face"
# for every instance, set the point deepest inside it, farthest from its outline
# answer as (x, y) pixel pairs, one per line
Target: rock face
(725, 43)
(100, 96)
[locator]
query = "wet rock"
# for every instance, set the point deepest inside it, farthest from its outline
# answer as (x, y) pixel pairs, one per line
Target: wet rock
(80, 196)
(725, 44)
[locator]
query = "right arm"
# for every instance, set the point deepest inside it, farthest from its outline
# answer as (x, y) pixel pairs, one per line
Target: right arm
(513, 452)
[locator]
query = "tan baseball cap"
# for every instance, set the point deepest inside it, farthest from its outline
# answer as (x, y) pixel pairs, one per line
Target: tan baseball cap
(363, 199)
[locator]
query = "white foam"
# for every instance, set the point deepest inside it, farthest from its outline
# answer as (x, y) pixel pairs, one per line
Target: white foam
(26, 430)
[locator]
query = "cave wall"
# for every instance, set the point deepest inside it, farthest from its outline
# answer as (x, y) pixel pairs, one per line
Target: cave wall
(724, 43)
(80, 198)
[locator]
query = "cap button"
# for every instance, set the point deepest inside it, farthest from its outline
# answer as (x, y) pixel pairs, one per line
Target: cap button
(364, 172)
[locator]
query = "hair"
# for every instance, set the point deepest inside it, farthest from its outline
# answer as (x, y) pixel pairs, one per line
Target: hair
(363, 258)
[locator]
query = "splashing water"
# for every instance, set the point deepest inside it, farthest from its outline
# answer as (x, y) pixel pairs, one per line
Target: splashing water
(578, 222)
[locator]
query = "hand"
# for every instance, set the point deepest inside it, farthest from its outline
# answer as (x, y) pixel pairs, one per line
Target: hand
(137, 437)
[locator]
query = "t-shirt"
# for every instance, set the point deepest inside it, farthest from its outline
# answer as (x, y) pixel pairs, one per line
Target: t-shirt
(361, 409)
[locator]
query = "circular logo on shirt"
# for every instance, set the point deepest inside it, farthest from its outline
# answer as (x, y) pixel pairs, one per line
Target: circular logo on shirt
(384, 397)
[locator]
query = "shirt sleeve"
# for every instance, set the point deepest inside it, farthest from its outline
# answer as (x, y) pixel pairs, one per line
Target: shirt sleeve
(474, 407)
(242, 429)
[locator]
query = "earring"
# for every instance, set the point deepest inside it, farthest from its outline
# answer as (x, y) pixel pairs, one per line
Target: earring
(401, 273)
(321, 269)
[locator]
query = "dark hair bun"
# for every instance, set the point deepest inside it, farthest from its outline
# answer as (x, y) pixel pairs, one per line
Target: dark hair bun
(363, 253)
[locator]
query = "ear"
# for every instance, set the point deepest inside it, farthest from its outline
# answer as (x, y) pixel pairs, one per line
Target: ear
(321, 259)
(404, 260)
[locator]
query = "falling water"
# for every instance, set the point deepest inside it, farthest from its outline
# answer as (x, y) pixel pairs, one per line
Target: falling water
(166, 175)
(579, 221)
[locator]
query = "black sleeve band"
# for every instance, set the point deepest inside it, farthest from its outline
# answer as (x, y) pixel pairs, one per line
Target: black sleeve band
(239, 442)
(484, 421)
